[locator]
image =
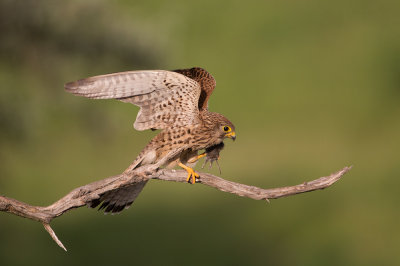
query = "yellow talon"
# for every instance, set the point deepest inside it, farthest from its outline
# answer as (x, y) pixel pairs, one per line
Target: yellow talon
(192, 175)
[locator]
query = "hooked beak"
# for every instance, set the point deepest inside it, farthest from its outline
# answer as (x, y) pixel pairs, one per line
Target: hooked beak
(231, 135)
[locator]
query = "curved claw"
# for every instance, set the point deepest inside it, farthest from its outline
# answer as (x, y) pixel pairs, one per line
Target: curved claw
(192, 175)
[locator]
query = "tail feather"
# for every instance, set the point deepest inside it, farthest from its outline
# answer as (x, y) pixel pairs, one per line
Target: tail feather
(115, 201)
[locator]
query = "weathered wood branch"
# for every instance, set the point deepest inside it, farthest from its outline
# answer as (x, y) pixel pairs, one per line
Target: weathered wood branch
(85, 194)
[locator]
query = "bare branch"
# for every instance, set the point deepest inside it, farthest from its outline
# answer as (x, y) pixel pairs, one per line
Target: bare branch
(255, 192)
(85, 194)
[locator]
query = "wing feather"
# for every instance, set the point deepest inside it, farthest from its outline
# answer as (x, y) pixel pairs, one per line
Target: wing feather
(206, 81)
(165, 98)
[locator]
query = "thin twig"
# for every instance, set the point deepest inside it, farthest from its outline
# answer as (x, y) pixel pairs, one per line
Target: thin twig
(53, 235)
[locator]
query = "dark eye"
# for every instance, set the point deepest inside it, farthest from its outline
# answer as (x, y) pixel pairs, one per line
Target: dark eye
(226, 129)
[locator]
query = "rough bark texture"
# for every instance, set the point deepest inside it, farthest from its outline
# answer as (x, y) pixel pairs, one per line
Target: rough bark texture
(85, 194)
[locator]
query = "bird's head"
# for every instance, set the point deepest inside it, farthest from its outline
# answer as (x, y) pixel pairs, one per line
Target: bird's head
(224, 127)
(228, 131)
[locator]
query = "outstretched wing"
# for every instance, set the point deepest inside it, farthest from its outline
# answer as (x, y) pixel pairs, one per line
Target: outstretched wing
(206, 81)
(165, 98)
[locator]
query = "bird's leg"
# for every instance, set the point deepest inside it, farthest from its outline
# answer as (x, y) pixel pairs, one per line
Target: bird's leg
(191, 173)
(196, 158)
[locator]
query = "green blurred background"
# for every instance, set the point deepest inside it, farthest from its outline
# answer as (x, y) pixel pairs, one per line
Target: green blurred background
(312, 86)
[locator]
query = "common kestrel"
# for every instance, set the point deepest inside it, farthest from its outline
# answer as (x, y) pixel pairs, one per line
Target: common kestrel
(175, 102)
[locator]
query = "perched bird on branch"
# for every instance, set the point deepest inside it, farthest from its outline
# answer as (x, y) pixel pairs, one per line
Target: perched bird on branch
(175, 102)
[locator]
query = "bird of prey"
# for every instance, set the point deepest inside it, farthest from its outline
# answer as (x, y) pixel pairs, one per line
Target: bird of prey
(176, 102)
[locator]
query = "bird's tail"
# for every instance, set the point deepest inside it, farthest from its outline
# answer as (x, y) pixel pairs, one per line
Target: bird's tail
(119, 199)
(115, 201)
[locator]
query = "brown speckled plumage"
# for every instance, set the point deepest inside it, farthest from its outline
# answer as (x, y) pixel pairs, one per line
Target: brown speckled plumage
(175, 102)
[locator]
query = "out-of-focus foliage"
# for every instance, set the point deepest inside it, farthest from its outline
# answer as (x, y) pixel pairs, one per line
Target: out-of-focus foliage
(311, 86)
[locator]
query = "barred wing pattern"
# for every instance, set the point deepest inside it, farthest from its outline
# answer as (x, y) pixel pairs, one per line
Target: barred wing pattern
(206, 81)
(165, 98)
